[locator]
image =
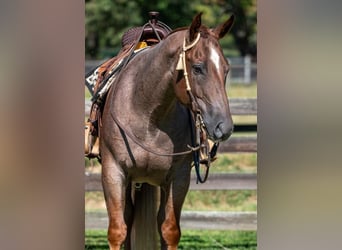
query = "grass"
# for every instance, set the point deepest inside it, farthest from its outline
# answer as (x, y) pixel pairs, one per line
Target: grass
(208, 200)
(221, 200)
(190, 240)
(239, 90)
(235, 163)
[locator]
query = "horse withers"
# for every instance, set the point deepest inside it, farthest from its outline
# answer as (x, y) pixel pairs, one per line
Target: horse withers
(147, 133)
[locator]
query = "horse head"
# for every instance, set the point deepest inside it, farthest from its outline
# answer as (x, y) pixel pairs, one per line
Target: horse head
(205, 69)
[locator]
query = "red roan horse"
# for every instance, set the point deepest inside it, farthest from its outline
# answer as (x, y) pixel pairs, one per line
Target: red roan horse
(145, 133)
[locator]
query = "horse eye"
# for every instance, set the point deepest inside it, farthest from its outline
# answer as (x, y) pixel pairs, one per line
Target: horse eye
(198, 69)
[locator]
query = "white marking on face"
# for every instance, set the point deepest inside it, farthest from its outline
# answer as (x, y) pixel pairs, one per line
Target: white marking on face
(214, 56)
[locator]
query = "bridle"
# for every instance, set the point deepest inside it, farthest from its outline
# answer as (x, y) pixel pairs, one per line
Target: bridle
(196, 113)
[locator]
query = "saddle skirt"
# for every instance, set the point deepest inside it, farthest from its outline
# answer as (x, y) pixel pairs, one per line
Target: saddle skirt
(99, 80)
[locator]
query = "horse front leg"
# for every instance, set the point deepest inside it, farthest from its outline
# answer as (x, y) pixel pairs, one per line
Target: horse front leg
(172, 199)
(114, 187)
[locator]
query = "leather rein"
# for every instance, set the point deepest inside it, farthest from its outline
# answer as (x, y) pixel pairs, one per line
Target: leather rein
(198, 126)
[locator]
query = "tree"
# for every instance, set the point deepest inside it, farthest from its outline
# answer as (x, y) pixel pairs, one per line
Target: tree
(244, 29)
(107, 20)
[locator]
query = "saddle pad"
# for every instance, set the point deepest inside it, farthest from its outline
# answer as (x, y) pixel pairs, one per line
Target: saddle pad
(99, 80)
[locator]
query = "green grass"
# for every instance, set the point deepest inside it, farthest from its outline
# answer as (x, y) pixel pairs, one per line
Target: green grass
(239, 90)
(235, 163)
(199, 200)
(221, 200)
(191, 240)
(208, 200)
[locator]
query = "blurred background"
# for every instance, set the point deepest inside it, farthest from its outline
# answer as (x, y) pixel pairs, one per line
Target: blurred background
(107, 20)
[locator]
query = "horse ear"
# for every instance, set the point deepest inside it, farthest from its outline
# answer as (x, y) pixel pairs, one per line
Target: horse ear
(223, 28)
(195, 25)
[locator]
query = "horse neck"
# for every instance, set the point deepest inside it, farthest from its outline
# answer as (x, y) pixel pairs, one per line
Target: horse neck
(155, 92)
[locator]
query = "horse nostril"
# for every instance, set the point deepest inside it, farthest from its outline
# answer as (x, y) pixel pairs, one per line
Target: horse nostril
(218, 132)
(223, 131)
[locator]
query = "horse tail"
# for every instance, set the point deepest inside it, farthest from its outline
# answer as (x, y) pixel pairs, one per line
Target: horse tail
(144, 231)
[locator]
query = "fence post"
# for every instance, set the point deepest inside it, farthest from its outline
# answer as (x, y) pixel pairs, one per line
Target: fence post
(247, 69)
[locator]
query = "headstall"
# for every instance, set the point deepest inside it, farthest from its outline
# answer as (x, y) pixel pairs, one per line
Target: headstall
(199, 123)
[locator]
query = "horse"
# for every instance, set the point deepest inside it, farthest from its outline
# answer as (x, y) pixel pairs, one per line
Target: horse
(147, 132)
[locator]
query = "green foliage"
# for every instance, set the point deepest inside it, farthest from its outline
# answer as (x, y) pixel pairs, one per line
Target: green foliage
(107, 20)
(190, 240)
(245, 28)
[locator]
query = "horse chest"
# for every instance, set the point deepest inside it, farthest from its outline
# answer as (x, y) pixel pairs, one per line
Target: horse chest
(154, 169)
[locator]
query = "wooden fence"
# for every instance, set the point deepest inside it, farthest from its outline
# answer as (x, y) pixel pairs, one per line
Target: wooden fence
(223, 181)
